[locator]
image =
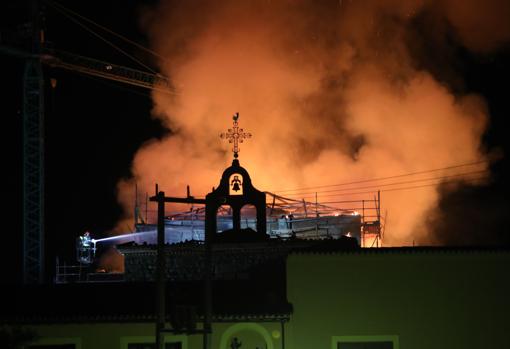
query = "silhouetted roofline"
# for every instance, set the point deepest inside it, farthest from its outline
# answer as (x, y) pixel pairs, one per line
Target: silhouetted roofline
(414, 250)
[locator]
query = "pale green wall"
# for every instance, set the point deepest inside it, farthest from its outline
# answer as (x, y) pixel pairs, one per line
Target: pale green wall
(427, 300)
(420, 300)
(117, 335)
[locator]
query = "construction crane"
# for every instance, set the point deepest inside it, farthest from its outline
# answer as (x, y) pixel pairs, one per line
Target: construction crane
(110, 71)
(94, 67)
(33, 129)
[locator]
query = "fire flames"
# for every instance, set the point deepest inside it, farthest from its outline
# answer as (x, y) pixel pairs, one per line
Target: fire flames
(332, 92)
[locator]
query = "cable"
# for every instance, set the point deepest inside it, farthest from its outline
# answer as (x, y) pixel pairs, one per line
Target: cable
(395, 183)
(425, 185)
(154, 53)
(368, 208)
(394, 189)
(299, 202)
(389, 177)
(101, 38)
(102, 81)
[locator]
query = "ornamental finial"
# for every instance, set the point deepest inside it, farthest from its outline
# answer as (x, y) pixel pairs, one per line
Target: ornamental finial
(235, 135)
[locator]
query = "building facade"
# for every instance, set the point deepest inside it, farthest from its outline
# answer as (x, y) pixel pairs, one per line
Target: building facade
(352, 299)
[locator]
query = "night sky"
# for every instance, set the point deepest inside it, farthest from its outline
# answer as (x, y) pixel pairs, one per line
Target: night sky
(94, 127)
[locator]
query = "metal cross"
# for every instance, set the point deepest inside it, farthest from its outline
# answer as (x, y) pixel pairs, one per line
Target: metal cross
(235, 135)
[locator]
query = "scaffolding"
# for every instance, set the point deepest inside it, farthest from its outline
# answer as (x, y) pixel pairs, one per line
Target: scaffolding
(286, 217)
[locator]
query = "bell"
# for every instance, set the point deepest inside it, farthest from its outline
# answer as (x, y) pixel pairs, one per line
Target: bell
(235, 187)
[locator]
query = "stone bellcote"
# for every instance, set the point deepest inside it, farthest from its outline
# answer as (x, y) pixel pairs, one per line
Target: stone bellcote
(235, 190)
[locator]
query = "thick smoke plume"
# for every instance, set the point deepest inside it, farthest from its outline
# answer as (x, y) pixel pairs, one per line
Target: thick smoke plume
(332, 91)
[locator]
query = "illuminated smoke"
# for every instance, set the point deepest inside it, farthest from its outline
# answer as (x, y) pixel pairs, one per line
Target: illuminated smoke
(332, 92)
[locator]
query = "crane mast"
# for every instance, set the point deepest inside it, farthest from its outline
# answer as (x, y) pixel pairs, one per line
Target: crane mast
(33, 155)
(33, 172)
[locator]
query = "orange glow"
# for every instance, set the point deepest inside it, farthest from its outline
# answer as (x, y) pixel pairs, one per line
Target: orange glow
(330, 96)
(370, 240)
